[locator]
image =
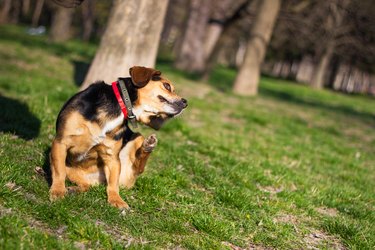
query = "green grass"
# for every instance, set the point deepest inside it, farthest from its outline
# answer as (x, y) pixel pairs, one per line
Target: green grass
(290, 168)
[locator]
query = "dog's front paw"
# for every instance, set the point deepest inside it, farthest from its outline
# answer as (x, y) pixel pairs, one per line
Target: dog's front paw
(56, 193)
(150, 143)
(118, 202)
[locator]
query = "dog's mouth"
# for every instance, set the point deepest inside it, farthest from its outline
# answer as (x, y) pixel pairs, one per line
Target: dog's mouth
(173, 108)
(166, 114)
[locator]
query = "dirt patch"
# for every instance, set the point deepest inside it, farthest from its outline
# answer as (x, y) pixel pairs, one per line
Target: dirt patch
(14, 187)
(286, 218)
(319, 239)
(332, 212)
(250, 246)
(120, 236)
(35, 224)
(270, 189)
(5, 211)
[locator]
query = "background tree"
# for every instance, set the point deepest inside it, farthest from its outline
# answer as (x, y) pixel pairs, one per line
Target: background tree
(37, 12)
(88, 19)
(131, 38)
(247, 79)
(25, 7)
(191, 54)
(332, 30)
(5, 11)
(61, 24)
(223, 14)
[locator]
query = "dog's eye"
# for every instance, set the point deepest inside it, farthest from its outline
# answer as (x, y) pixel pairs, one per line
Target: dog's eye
(167, 86)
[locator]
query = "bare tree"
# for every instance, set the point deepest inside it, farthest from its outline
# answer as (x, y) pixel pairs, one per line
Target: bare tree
(61, 24)
(247, 79)
(68, 3)
(174, 19)
(224, 13)
(332, 29)
(87, 19)
(5, 11)
(131, 38)
(16, 11)
(191, 54)
(37, 11)
(226, 49)
(25, 7)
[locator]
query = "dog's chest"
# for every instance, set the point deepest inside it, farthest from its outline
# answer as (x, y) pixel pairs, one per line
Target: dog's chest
(107, 128)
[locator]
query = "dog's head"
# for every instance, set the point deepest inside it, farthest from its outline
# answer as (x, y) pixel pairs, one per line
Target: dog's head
(156, 99)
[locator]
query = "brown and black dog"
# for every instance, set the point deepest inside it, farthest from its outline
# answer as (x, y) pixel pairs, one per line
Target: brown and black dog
(93, 142)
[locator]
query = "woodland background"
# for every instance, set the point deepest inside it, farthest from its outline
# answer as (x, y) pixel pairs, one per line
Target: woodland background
(275, 151)
(325, 44)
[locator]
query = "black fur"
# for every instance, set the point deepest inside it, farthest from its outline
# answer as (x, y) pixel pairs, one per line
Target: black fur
(98, 96)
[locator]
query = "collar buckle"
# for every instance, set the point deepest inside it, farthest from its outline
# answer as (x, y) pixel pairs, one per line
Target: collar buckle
(128, 104)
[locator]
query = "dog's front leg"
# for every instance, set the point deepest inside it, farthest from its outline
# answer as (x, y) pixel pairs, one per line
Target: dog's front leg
(57, 161)
(112, 170)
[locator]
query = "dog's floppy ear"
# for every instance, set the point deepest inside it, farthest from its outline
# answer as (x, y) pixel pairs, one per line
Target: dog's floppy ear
(141, 75)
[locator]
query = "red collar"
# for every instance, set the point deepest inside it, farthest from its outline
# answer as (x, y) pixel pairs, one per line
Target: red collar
(119, 100)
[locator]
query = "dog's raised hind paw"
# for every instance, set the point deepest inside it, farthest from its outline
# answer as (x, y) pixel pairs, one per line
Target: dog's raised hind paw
(150, 143)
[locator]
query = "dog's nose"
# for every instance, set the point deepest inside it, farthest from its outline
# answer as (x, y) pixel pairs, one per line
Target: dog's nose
(184, 102)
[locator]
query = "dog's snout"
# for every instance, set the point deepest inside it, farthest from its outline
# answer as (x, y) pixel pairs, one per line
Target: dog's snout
(184, 102)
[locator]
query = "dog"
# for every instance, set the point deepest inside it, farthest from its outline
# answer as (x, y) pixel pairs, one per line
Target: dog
(93, 142)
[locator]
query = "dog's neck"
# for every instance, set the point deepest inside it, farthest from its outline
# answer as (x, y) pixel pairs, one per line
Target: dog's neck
(121, 90)
(132, 91)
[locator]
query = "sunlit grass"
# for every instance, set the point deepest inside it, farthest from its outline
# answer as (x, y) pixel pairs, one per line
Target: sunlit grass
(266, 171)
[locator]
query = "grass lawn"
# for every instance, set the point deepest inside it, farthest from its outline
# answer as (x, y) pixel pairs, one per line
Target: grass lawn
(289, 169)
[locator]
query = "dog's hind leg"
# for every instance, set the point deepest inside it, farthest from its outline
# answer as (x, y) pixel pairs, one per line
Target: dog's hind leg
(134, 157)
(78, 176)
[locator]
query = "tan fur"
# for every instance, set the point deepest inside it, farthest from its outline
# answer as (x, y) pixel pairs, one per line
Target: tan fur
(133, 159)
(147, 97)
(87, 154)
(85, 139)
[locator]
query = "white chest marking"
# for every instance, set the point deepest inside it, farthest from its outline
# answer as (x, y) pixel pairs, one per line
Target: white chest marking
(111, 125)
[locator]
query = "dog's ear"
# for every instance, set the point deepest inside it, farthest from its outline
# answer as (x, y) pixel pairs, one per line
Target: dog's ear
(141, 75)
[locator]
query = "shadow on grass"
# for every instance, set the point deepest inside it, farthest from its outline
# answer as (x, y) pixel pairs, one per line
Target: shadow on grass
(222, 79)
(15, 117)
(80, 70)
(14, 33)
(47, 167)
(342, 109)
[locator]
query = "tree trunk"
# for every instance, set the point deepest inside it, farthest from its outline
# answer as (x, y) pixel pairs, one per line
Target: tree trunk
(225, 13)
(131, 38)
(322, 67)
(333, 21)
(247, 79)
(191, 57)
(16, 11)
(61, 24)
(214, 31)
(37, 12)
(5, 10)
(25, 7)
(305, 69)
(88, 19)
(229, 32)
(240, 54)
